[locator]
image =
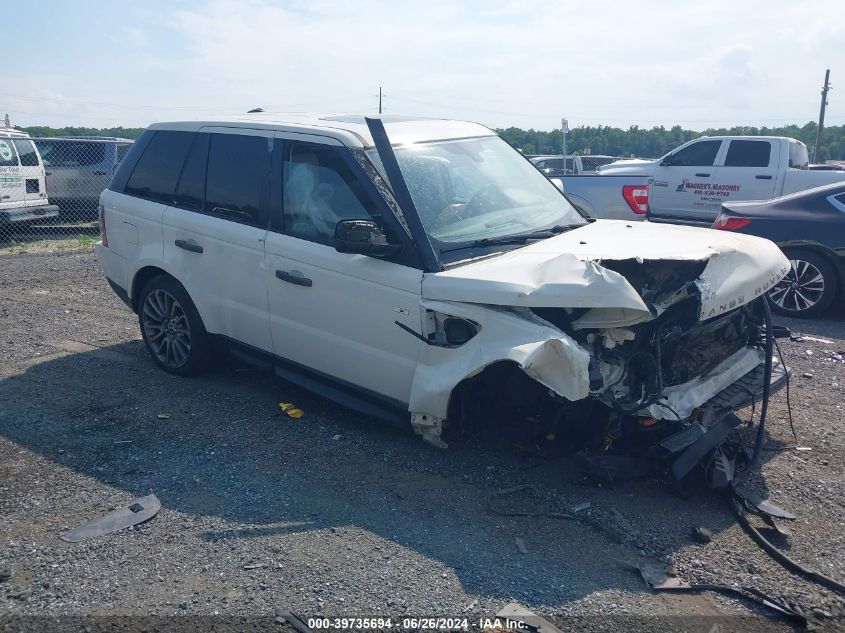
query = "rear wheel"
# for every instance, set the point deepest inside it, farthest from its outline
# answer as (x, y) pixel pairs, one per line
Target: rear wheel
(172, 328)
(809, 287)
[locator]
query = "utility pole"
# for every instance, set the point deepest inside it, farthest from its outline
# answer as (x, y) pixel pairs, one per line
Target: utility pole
(379, 99)
(817, 150)
(564, 130)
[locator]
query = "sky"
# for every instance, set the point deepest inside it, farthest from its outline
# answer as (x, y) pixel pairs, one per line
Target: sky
(524, 63)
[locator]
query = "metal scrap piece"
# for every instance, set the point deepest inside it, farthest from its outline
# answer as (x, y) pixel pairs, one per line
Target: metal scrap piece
(138, 511)
(762, 506)
(516, 612)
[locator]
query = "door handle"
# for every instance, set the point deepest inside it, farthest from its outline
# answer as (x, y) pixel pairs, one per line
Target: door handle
(188, 246)
(48, 173)
(299, 280)
(100, 173)
(703, 175)
(763, 177)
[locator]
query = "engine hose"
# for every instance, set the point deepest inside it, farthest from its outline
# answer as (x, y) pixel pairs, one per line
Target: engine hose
(767, 379)
(778, 555)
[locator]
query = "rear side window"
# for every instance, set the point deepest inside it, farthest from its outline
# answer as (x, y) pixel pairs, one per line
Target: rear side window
(701, 154)
(841, 200)
(748, 154)
(7, 154)
(26, 152)
(238, 176)
(157, 171)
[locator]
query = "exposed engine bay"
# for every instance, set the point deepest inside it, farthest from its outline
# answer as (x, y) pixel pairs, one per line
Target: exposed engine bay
(651, 406)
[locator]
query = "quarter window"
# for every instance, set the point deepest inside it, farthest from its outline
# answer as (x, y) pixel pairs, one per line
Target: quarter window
(157, 171)
(26, 152)
(320, 189)
(238, 176)
(748, 154)
(701, 154)
(63, 153)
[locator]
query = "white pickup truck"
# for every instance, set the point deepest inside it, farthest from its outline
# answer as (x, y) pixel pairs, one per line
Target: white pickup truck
(690, 183)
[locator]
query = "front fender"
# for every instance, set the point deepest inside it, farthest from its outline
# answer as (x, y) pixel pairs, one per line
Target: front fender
(545, 354)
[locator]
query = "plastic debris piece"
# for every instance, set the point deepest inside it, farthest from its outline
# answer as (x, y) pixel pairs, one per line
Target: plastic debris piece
(520, 545)
(803, 449)
(164, 415)
(291, 410)
(116, 520)
(336, 437)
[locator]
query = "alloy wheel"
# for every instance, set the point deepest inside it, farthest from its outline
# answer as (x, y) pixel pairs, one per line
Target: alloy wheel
(166, 328)
(801, 289)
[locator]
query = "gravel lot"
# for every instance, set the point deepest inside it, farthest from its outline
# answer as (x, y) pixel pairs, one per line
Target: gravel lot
(337, 515)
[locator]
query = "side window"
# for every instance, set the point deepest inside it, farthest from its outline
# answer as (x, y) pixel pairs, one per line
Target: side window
(190, 193)
(157, 171)
(320, 189)
(26, 152)
(238, 176)
(701, 154)
(798, 156)
(748, 154)
(7, 154)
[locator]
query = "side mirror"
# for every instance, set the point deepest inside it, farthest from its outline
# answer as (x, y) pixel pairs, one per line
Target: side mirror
(362, 237)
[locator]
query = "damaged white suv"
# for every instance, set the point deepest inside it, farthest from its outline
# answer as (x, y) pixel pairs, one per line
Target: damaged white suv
(423, 270)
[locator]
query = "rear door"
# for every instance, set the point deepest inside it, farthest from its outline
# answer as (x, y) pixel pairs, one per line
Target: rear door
(215, 230)
(749, 170)
(12, 193)
(683, 181)
(32, 172)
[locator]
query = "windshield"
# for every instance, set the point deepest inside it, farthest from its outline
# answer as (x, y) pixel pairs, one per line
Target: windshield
(475, 189)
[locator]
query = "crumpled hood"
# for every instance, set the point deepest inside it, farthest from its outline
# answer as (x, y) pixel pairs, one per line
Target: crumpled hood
(566, 271)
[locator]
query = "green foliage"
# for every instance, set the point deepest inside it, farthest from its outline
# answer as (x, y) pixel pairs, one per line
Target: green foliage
(121, 132)
(657, 141)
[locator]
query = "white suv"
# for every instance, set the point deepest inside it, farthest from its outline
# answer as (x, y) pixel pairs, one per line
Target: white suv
(423, 270)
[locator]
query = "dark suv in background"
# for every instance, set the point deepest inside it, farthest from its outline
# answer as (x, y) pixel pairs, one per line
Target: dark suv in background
(78, 169)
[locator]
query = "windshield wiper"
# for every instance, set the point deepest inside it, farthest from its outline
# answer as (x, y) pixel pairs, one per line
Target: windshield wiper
(520, 238)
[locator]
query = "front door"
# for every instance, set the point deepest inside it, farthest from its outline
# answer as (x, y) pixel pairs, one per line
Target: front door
(335, 313)
(683, 181)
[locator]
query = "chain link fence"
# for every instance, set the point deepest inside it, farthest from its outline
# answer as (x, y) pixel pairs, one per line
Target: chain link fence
(50, 190)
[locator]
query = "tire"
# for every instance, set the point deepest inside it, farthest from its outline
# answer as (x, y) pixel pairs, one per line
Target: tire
(172, 328)
(808, 289)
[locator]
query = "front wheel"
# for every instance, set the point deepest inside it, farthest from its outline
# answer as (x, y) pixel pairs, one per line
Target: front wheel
(172, 328)
(809, 287)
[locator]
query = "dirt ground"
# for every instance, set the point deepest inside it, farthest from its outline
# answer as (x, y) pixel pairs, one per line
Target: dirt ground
(336, 515)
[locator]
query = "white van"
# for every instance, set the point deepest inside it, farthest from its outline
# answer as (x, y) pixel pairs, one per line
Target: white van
(23, 188)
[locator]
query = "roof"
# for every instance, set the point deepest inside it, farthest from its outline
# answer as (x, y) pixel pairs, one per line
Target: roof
(10, 131)
(350, 129)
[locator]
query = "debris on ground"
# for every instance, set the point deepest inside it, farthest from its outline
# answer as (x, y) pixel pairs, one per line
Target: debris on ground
(291, 410)
(283, 616)
(164, 415)
(580, 507)
(5, 574)
(517, 613)
(517, 512)
(138, 511)
(702, 535)
(656, 577)
(520, 545)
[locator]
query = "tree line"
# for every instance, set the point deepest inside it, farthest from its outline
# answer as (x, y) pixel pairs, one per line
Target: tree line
(657, 141)
(601, 139)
